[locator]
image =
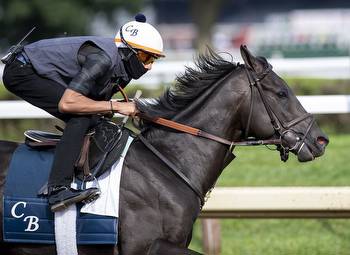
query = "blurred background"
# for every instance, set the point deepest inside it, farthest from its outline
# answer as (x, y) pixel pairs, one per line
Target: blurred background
(307, 42)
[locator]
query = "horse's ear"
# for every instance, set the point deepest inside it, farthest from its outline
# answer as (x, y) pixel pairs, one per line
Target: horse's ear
(249, 59)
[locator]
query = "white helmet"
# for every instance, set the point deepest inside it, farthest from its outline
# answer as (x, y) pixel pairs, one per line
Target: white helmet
(140, 35)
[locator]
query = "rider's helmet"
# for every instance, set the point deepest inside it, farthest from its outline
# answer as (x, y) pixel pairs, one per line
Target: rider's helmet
(139, 35)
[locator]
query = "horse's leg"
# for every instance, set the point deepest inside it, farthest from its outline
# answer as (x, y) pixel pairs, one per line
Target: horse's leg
(161, 247)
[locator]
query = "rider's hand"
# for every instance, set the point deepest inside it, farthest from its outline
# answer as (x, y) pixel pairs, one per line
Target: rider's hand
(125, 108)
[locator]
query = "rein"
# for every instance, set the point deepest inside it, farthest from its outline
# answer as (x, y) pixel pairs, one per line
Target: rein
(200, 133)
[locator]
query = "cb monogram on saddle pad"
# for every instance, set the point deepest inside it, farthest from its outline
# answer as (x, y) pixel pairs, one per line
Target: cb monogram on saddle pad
(27, 217)
(33, 221)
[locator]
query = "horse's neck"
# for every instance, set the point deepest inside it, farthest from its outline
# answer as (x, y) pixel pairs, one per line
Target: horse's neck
(200, 159)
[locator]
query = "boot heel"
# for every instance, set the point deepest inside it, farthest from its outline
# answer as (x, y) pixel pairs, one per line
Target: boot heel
(58, 207)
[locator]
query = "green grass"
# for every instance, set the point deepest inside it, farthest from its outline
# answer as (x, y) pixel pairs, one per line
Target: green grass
(256, 166)
(314, 86)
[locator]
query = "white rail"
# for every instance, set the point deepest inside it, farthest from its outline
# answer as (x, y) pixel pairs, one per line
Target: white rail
(313, 104)
(271, 203)
(278, 202)
(327, 68)
(23, 110)
(326, 104)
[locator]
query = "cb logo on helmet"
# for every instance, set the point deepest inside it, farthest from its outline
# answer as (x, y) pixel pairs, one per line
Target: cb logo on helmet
(131, 30)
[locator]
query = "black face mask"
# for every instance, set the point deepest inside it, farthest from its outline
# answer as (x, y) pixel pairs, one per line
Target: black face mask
(133, 65)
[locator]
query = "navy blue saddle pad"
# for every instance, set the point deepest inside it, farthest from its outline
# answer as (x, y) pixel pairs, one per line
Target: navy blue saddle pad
(27, 217)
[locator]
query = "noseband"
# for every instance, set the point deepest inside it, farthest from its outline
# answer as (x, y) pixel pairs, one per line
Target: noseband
(282, 130)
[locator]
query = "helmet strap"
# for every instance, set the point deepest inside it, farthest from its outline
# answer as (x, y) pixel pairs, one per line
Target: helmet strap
(133, 65)
(132, 50)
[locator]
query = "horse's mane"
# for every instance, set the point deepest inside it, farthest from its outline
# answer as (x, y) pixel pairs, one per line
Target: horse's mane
(209, 67)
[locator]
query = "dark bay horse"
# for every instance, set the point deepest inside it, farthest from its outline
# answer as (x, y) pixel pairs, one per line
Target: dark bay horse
(232, 101)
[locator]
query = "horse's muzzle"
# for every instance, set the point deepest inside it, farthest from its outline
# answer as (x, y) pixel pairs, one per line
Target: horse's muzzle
(307, 148)
(312, 148)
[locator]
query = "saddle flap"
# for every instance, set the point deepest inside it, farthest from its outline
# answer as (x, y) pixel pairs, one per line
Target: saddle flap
(106, 146)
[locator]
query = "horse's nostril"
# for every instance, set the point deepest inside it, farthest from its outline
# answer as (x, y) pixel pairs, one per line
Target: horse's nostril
(322, 140)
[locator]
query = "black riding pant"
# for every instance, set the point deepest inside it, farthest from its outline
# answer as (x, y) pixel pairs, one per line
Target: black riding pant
(22, 80)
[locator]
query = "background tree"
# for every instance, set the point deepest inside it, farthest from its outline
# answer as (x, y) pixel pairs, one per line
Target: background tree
(54, 18)
(204, 15)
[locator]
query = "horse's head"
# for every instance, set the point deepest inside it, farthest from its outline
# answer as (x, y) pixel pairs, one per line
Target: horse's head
(273, 111)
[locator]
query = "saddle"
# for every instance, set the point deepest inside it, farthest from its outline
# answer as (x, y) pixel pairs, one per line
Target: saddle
(103, 145)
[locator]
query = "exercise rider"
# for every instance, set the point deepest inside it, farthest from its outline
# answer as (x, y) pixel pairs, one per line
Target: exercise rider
(73, 79)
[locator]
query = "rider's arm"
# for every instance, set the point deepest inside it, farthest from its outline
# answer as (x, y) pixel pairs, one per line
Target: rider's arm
(75, 99)
(76, 103)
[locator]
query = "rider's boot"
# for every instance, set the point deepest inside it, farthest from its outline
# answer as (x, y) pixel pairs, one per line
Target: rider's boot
(60, 197)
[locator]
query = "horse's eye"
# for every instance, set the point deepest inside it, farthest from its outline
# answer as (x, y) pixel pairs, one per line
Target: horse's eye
(282, 94)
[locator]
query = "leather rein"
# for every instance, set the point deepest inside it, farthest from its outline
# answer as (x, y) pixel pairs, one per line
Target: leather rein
(200, 133)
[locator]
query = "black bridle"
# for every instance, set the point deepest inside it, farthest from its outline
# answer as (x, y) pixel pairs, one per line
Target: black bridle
(282, 130)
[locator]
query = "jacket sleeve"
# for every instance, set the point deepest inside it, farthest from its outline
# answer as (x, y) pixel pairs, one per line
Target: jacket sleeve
(94, 66)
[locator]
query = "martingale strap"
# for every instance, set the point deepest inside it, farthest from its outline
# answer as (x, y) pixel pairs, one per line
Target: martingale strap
(174, 168)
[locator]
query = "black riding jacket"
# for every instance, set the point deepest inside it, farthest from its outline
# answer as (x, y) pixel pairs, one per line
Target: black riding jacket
(95, 64)
(89, 65)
